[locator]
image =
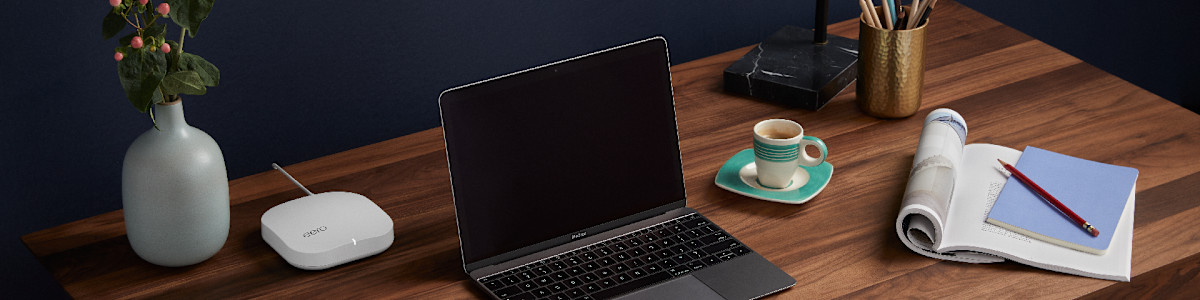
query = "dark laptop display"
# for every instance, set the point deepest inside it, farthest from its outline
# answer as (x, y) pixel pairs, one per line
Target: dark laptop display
(568, 184)
(528, 150)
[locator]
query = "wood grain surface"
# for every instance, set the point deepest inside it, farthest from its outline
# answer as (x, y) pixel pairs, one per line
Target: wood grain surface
(1012, 89)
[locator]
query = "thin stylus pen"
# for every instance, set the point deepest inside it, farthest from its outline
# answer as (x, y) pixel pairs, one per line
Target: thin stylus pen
(1063, 208)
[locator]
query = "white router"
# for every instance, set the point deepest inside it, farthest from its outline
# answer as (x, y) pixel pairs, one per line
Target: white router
(320, 231)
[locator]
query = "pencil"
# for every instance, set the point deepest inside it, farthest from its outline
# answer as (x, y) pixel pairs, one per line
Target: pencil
(875, 14)
(922, 12)
(895, 9)
(867, 16)
(1045, 195)
(887, 14)
(914, 14)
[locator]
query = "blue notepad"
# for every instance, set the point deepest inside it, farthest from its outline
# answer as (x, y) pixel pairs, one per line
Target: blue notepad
(1097, 192)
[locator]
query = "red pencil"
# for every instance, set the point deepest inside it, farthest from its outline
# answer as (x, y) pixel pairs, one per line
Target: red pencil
(1063, 208)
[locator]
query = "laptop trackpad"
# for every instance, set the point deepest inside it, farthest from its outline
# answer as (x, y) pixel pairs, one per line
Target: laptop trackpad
(687, 287)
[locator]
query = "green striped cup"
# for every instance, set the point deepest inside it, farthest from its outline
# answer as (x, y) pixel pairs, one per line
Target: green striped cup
(779, 151)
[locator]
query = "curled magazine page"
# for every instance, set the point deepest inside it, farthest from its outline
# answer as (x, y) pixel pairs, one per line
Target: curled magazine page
(930, 186)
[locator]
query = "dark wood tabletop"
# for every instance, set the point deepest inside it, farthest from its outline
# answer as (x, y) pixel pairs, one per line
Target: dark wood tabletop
(1013, 90)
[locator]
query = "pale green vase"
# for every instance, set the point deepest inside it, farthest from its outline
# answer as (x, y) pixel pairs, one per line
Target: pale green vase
(175, 192)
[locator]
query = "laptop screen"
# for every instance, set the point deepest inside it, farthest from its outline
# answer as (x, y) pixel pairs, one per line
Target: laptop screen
(546, 153)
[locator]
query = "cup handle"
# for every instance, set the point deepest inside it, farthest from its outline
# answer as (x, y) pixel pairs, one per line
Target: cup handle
(810, 161)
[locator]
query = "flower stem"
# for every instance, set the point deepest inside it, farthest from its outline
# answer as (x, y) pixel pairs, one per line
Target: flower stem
(182, 33)
(126, 17)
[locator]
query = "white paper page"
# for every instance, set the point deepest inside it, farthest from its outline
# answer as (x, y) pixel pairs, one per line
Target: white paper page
(980, 180)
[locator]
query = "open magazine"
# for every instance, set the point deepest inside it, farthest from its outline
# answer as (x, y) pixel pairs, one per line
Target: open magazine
(951, 189)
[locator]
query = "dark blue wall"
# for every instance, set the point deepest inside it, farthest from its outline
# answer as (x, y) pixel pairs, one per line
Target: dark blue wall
(1151, 43)
(300, 80)
(304, 79)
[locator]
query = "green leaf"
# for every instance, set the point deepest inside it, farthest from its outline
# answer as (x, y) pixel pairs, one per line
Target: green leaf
(183, 82)
(207, 71)
(124, 40)
(189, 13)
(113, 23)
(156, 30)
(140, 73)
(173, 57)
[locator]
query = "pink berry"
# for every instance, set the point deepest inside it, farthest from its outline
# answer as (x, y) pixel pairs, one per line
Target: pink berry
(166, 48)
(163, 9)
(118, 56)
(143, 2)
(114, 2)
(136, 42)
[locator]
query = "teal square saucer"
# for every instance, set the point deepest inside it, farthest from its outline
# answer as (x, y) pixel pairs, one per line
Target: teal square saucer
(737, 175)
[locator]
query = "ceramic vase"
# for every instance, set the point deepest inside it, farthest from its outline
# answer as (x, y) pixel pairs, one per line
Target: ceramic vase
(175, 192)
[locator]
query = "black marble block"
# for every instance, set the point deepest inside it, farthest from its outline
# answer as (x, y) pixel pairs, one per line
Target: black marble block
(789, 68)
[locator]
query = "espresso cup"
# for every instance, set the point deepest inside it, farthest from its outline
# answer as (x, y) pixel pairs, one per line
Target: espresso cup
(779, 149)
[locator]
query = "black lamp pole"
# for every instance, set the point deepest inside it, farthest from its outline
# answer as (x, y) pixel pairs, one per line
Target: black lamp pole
(822, 18)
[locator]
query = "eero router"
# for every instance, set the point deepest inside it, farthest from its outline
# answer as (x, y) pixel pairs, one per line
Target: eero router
(319, 231)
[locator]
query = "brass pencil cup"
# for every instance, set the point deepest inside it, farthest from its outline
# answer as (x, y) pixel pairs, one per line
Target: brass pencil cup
(891, 70)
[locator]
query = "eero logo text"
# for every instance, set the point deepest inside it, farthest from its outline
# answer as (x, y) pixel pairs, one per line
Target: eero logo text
(315, 231)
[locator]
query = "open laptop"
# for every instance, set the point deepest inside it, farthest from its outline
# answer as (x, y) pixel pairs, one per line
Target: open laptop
(568, 184)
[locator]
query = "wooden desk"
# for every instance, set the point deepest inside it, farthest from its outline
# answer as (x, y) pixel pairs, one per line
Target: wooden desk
(1012, 90)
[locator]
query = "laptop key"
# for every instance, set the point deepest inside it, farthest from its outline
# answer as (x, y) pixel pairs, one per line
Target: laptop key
(573, 282)
(528, 285)
(557, 287)
(523, 296)
(575, 293)
(665, 253)
(632, 285)
(507, 292)
(620, 268)
(541, 292)
(651, 268)
(711, 260)
(607, 282)
(606, 261)
(493, 285)
(509, 279)
(636, 263)
(573, 261)
(591, 266)
(560, 297)
(621, 256)
(680, 249)
(651, 258)
(726, 255)
(620, 247)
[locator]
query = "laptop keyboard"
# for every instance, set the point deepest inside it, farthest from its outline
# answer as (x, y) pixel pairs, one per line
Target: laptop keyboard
(621, 264)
